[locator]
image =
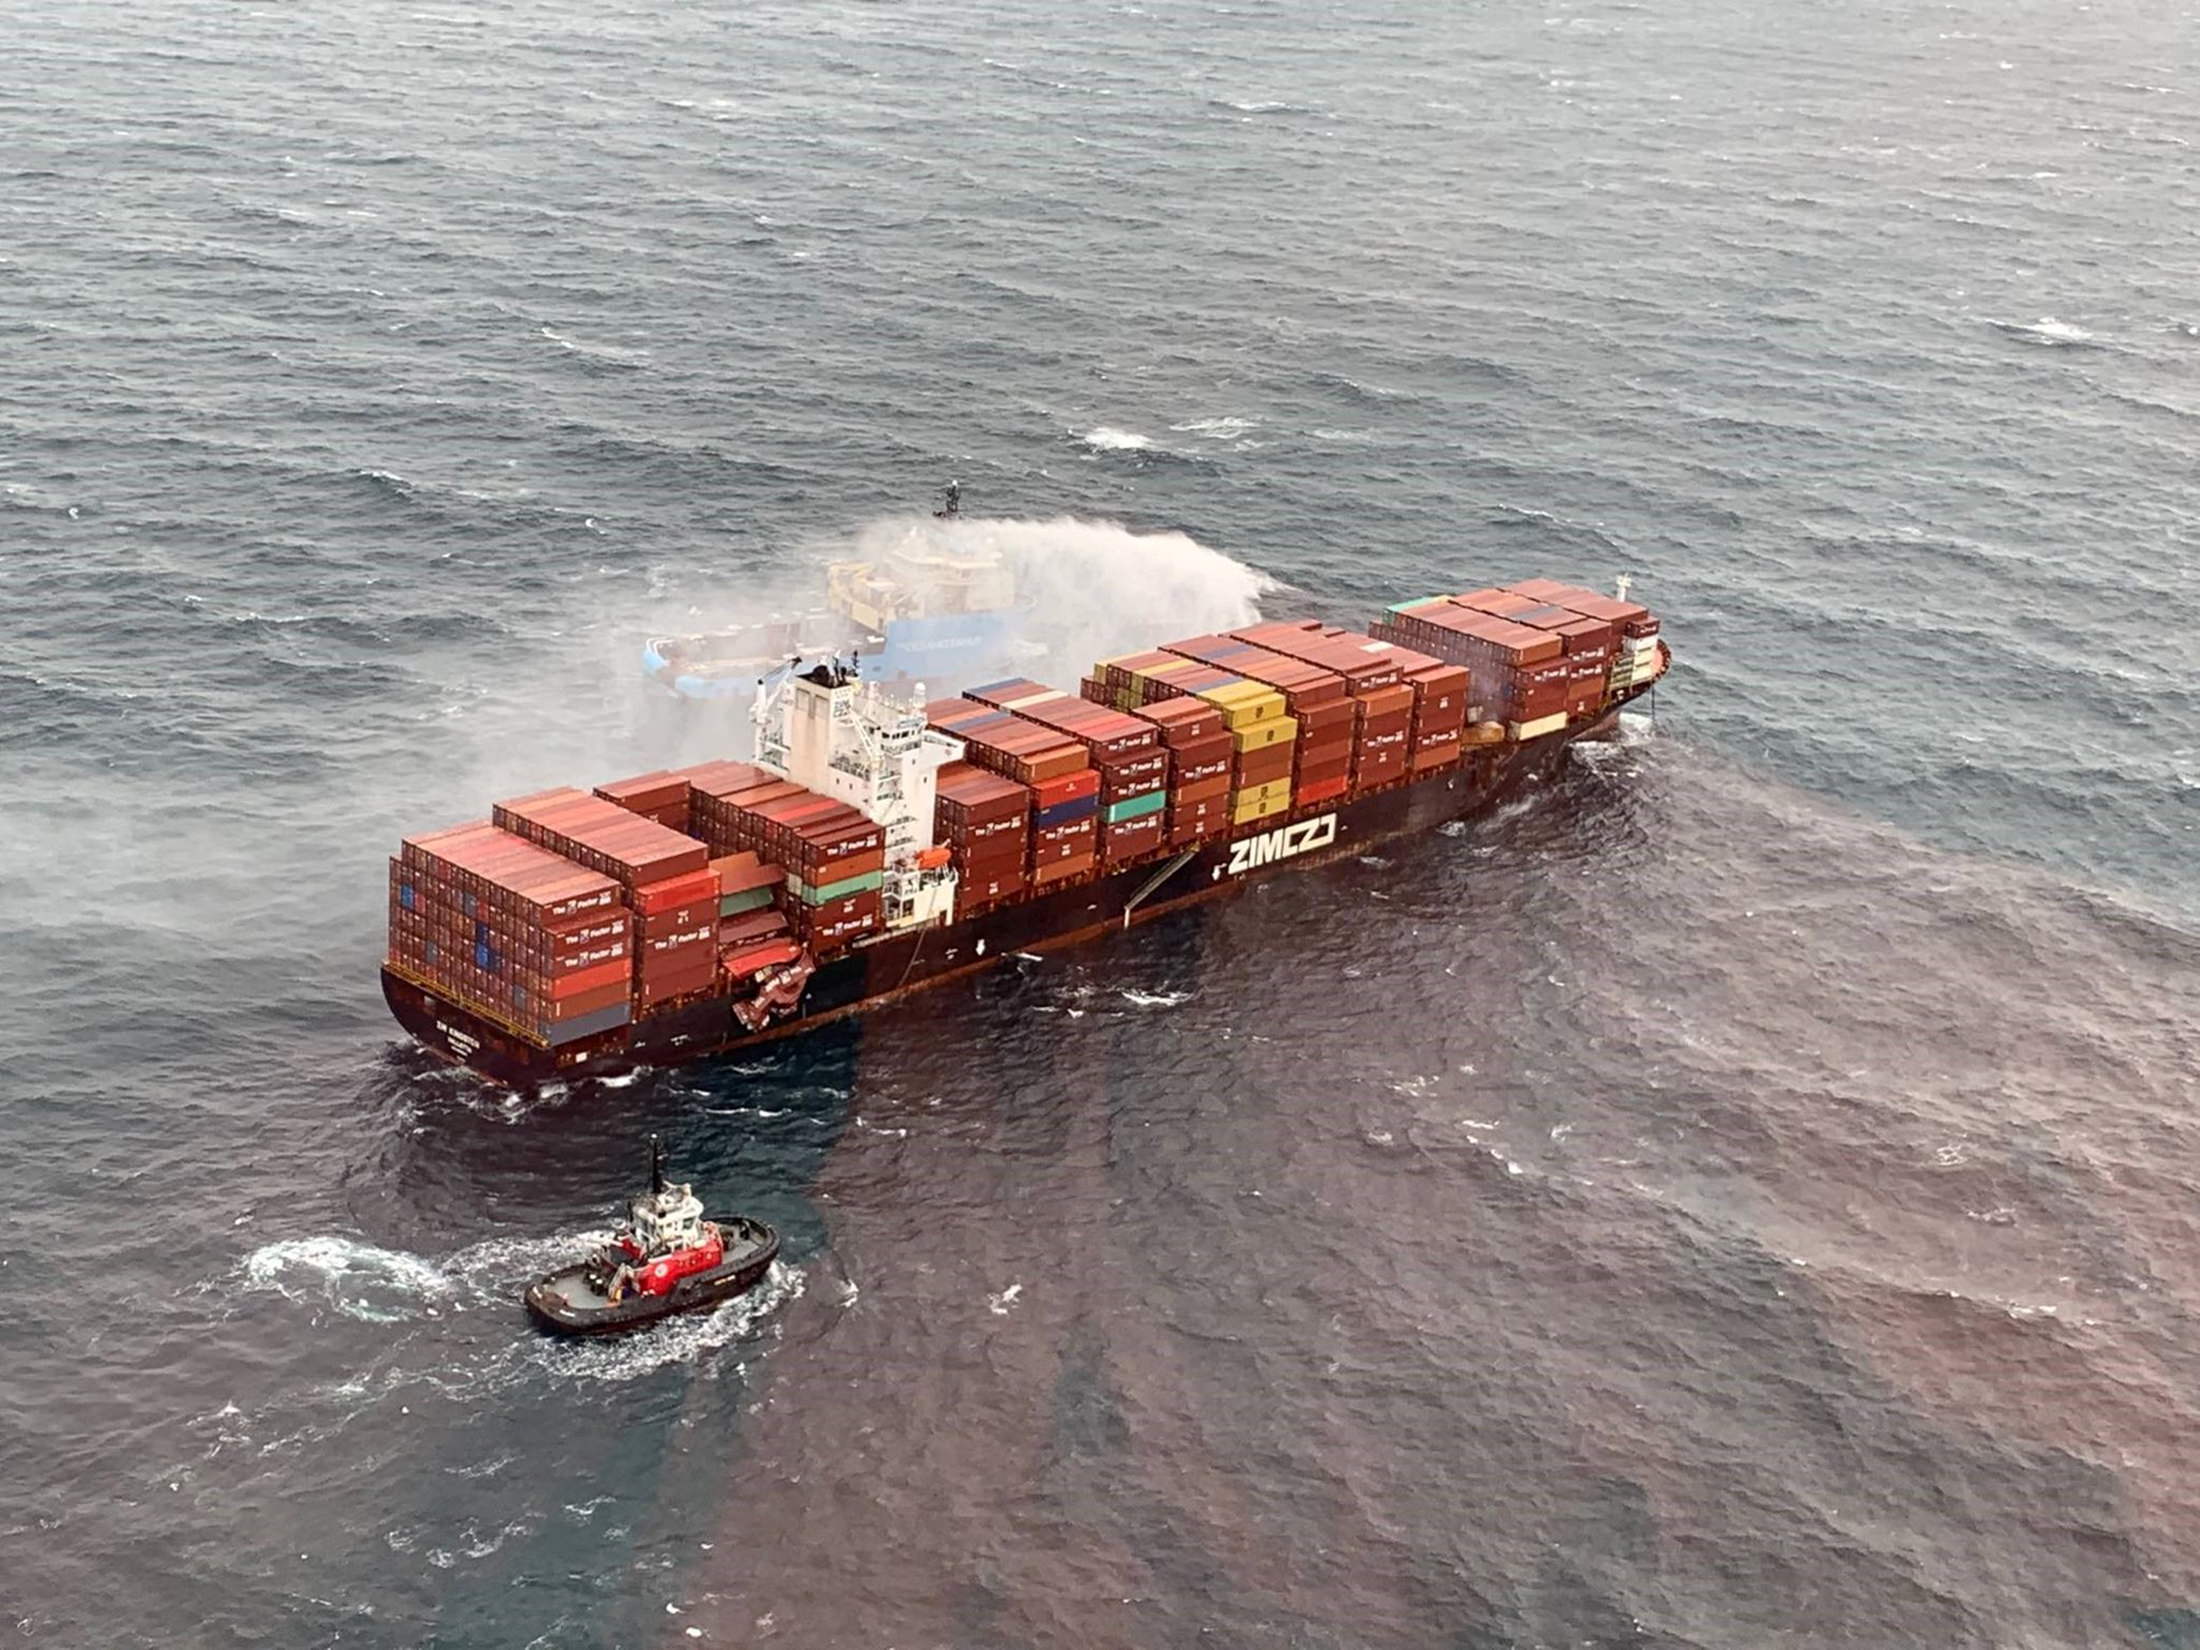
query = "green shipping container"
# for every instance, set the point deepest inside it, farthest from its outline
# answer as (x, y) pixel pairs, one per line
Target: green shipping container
(753, 899)
(1136, 807)
(836, 890)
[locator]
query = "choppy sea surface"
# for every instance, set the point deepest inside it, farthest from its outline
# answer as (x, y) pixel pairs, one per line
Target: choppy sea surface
(1741, 1194)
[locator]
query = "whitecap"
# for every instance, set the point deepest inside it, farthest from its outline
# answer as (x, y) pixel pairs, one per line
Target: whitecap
(1107, 438)
(1156, 999)
(2046, 331)
(1217, 429)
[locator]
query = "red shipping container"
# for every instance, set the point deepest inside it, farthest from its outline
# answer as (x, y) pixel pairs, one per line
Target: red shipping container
(987, 886)
(1327, 721)
(656, 996)
(1323, 790)
(1064, 841)
(654, 897)
(1069, 787)
(557, 1010)
(1182, 720)
(703, 913)
(589, 979)
(1062, 869)
(1262, 766)
(1203, 760)
(1126, 777)
(666, 950)
(773, 954)
(1214, 789)
(1208, 819)
(750, 928)
(1131, 837)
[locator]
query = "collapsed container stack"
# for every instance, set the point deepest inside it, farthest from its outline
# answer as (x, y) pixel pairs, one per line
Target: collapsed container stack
(665, 875)
(1064, 786)
(522, 936)
(1125, 752)
(833, 855)
(753, 932)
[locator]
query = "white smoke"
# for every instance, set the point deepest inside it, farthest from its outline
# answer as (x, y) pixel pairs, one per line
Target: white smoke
(579, 710)
(1088, 590)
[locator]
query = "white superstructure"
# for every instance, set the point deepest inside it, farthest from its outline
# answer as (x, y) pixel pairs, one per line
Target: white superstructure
(845, 738)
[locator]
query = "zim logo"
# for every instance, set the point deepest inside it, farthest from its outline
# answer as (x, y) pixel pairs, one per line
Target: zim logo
(1269, 846)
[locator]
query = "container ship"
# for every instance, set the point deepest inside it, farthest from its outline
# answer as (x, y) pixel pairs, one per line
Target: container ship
(878, 844)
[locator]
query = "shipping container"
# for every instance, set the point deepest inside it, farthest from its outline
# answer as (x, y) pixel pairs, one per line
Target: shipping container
(601, 835)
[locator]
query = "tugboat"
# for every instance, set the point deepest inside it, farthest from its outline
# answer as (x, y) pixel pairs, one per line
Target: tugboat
(667, 1259)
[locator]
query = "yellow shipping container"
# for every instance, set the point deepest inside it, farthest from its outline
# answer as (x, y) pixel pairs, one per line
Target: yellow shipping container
(1258, 737)
(1537, 728)
(1244, 703)
(1160, 673)
(1273, 789)
(1259, 810)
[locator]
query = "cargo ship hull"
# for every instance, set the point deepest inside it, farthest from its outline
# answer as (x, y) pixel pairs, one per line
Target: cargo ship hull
(704, 1027)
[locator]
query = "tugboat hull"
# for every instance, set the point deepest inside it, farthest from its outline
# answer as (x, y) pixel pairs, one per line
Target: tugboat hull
(566, 1303)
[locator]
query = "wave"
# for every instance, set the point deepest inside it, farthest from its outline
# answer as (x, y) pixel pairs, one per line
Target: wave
(2046, 332)
(599, 354)
(1106, 438)
(1218, 429)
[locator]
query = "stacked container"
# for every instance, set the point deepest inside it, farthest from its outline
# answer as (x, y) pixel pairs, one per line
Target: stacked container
(834, 856)
(1065, 787)
(1201, 757)
(1376, 685)
(1522, 670)
(1316, 698)
(1634, 627)
(660, 796)
(984, 822)
(520, 935)
(1127, 753)
(1439, 714)
(665, 874)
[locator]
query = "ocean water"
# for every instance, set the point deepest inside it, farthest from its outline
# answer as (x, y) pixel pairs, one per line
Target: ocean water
(1739, 1195)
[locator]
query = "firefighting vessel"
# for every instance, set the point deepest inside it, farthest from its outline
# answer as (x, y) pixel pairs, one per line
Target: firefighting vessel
(933, 606)
(877, 845)
(666, 1259)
